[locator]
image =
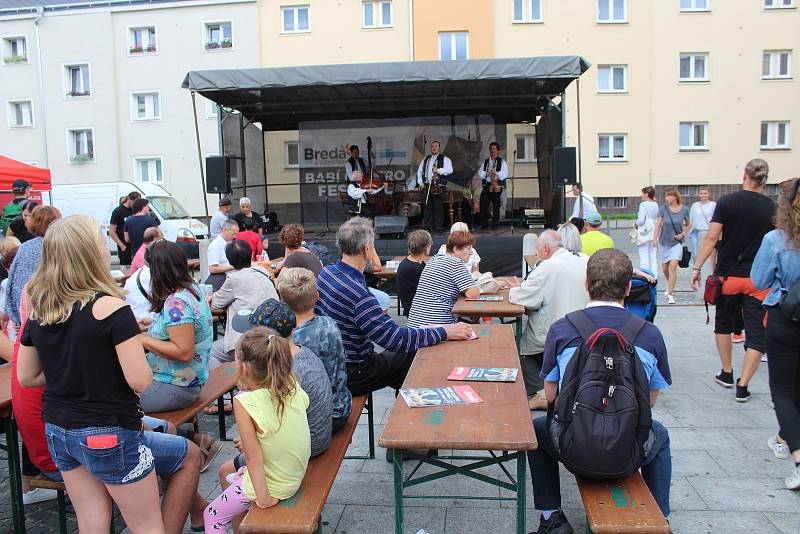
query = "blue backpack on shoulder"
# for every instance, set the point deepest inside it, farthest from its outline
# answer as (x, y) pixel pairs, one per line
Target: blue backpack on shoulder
(643, 298)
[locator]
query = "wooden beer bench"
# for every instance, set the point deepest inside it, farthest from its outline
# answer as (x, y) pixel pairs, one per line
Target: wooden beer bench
(621, 506)
(300, 514)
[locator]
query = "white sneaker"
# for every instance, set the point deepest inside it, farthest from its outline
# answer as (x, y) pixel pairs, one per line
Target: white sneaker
(793, 481)
(39, 495)
(670, 299)
(781, 450)
(764, 358)
(666, 294)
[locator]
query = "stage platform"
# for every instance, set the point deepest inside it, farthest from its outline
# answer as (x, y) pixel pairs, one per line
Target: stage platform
(500, 250)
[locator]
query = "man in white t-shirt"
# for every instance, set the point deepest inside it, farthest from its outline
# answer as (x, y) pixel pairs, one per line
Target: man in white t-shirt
(584, 205)
(217, 261)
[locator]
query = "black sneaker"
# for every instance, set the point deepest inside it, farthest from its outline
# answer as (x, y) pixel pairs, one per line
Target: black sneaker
(557, 524)
(724, 379)
(742, 395)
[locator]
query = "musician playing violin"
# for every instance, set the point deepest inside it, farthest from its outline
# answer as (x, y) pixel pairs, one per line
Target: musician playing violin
(493, 175)
(432, 178)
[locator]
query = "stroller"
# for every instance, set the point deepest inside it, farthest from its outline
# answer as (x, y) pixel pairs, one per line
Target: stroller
(642, 300)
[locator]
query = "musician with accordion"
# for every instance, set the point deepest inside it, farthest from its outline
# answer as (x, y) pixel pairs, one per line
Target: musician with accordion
(432, 179)
(493, 175)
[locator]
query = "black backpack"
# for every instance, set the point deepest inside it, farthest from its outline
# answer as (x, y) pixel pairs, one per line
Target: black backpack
(600, 423)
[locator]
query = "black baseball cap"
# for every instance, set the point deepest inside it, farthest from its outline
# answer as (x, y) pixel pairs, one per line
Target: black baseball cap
(20, 185)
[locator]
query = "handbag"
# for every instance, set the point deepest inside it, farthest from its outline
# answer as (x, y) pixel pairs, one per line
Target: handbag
(643, 235)
(712, 292)
(790, 303)
(686, 257)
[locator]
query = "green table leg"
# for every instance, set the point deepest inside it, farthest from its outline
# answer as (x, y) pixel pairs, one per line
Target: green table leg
(12, 446)
(398, 491)
(521, 470)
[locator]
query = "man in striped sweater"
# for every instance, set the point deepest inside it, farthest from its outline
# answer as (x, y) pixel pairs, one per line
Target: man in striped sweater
(344, 297)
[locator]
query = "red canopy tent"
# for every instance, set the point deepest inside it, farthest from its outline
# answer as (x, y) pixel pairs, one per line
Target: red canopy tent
(11, 169)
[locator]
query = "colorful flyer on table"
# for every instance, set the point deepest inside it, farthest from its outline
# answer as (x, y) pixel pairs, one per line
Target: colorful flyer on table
(484, 374)
(443, 396)
(485, 298)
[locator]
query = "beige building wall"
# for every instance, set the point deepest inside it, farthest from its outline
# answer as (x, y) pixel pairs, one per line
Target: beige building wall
(336, 35)
(735, 99)
(100, 37)
(278, 171)
(434, 16)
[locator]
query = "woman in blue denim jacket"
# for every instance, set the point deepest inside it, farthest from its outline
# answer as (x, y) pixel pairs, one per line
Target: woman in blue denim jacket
(777, 267)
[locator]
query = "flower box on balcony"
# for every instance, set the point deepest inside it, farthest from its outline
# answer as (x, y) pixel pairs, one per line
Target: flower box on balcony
(15, 59)
(214, 45)
(73, 94)
(82, 158)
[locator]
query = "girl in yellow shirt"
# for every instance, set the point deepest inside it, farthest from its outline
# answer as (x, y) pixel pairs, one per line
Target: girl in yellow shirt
(274, 432)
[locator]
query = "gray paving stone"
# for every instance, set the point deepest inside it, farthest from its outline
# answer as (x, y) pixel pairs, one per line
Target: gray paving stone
(785, 522)
(358, 519)
(746, 494)
(736, 522)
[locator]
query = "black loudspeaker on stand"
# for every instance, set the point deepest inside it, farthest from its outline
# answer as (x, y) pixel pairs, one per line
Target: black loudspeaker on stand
(218, 174)
(564, 170)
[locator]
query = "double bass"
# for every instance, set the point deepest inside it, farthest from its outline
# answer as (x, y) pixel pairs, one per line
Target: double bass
(375, 183)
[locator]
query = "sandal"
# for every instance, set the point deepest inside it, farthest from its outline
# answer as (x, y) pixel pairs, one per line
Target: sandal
(213, 409)
(210, 453)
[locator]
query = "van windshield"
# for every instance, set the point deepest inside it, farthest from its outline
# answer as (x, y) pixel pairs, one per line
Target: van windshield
(168, 208)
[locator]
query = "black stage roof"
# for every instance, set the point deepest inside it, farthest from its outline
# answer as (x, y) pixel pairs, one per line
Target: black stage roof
(280, 98)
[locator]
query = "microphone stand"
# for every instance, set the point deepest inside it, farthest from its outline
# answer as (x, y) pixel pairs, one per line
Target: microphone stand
(513, 187)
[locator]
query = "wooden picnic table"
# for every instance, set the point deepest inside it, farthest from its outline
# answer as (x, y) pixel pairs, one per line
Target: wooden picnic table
(12, 450)
(474, 310)
(502, 422)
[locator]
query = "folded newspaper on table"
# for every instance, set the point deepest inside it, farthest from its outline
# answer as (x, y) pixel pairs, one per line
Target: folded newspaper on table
(484, 374)
(442, 396)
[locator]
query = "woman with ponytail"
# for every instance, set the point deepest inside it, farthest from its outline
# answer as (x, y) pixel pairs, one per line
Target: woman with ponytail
(777, 268)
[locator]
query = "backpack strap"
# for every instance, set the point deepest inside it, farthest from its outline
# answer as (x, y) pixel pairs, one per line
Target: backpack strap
(630, 331)
(140, 286)
(582, 323)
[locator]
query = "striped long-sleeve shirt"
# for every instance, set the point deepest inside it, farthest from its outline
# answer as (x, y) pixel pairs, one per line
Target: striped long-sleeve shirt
(344, 297)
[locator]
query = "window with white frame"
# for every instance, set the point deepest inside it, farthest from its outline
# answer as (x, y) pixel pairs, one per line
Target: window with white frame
(612, 11)
(291, 154)
(693, 136)
(146, 106)
(377, 14)
(211, 109)
(774, 135)
(693, 67)
(81, 145)
(295, 19)
(149, 169)
(689, 190)
(695, 5)
(15, 50)
(612, 147)
(77, 80)
(776, 64)
(779, 4)
(612, 202)
(526, 148)
(218, 35)
(142, 40)
(453, 45)
(612, 78)
(527, 11)
(20, 113)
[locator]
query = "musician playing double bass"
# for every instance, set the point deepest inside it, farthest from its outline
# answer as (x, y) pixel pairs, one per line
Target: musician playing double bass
(493, 175)
(432, 178)
(356, 169)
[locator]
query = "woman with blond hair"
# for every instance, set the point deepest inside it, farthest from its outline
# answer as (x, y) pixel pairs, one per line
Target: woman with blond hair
(777, 267)
(474, 261)
(672, 225)
(81, 341)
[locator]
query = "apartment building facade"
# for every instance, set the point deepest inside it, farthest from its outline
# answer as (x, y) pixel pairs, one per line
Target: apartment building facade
(94, 92)
(681, 92)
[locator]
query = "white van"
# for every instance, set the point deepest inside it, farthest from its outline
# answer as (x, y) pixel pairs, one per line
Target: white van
(100, 199)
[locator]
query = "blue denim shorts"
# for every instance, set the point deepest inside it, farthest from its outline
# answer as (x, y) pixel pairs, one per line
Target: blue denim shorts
(134, 456)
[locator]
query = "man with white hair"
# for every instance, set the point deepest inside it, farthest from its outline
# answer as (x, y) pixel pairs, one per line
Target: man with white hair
(553, 289)
(247, 214)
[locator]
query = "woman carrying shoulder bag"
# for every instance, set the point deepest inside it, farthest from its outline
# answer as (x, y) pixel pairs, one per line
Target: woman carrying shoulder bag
(645, 224)
(777, 267)
(672, 226)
